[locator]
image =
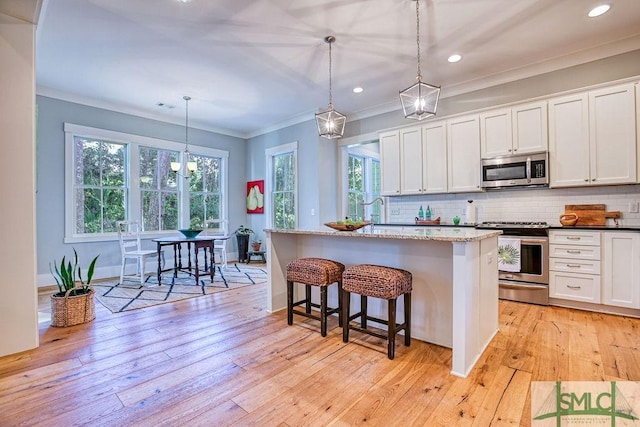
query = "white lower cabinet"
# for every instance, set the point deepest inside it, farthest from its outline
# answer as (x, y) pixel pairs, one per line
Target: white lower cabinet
(574, 265)
(621, 269)
(595, 267)
(575, 286)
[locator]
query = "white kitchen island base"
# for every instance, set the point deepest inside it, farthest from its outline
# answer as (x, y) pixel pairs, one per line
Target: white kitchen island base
(455, 279)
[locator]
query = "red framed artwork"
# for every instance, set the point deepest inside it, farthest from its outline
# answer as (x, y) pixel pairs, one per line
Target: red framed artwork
(255, 197)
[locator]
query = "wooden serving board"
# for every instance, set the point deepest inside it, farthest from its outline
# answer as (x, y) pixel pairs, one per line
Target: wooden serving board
(595, 214)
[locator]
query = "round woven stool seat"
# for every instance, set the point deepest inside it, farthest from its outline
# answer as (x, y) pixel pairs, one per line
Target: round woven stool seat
(315, 271)
(376, 281)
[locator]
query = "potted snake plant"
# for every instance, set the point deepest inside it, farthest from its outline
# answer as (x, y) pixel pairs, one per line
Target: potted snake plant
(74, 302)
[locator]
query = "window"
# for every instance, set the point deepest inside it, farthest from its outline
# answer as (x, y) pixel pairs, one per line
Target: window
(281, 189)
(362, 183)
(356, 191)
(100, 185)
(205, 195)
(158, 189)
(113, 176)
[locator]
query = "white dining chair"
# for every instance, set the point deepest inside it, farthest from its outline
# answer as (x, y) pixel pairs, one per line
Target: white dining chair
(131, 248)
(218, 227)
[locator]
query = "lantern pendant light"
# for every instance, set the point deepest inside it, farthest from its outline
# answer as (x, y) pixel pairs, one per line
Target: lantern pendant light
(191, 165)
(330, 122)
(420, 100)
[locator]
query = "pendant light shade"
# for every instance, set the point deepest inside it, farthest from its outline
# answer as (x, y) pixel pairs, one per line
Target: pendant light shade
(420, 100)
(330, 122)
(191, 165)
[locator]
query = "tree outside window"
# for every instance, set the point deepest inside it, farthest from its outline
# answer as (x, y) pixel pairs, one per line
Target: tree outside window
(205, 191)
(284, 190)
(100, 185)
(159, 199)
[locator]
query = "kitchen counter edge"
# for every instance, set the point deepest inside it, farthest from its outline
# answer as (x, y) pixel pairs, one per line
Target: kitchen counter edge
(447, 234)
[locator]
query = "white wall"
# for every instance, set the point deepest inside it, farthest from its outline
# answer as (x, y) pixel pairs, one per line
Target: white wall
(18, 304)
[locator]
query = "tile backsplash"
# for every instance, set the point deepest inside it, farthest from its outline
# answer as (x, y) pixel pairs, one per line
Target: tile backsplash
(531, 204)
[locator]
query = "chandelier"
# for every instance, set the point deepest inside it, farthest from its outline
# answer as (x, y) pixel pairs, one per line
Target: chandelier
(420, 100)
(191, 165)
(330, 122)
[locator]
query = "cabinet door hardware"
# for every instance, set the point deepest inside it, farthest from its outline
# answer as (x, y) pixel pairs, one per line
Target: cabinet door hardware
(573, 237)
(573, 287)
(569, 251)
(573, 265)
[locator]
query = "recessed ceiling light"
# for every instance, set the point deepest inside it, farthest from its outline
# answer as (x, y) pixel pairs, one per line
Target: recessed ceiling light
(454, 58)
(358, 89)
(599, 10)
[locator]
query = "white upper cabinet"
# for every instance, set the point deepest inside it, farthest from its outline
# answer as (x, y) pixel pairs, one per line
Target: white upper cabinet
(390, 163)
(592, 138)
(463, 148)
(612, 132)
(411, 160)
(434, 157)
(530, 130)
(517, 130)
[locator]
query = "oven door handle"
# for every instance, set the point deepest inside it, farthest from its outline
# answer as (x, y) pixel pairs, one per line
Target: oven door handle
(528, 286)
(533, 241)
(529, 169)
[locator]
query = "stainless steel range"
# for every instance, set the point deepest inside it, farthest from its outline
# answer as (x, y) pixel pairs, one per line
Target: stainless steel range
(523, 260)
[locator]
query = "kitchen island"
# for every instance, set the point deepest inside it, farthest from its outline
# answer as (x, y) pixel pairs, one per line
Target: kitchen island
(455, 278)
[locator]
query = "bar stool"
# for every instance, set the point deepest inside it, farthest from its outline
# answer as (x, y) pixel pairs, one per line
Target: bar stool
(378, 282)
(314, 272)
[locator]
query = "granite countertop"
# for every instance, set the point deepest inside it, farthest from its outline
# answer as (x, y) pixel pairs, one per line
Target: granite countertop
(411, 232)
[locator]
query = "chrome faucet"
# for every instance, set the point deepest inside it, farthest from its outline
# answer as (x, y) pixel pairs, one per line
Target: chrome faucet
(373, 201)
(381, 200)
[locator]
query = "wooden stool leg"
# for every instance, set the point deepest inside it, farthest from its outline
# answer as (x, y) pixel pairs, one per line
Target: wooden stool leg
(407, 319)
(391, 332)
(363, 312)
(346, 300)
(323, 311)
(289, 302)
(307, 293)
(340, 314)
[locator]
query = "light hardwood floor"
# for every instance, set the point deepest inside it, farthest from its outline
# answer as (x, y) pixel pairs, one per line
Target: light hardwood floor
(223, 360)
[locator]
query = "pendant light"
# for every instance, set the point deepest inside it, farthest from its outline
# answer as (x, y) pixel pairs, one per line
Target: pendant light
(330, 122)
(420, 100)
(191, 165)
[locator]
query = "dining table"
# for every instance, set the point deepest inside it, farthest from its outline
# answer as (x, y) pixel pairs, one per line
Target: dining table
(193, 243)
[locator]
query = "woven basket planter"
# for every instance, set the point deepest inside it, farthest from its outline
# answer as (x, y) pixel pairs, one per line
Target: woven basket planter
(72, 310)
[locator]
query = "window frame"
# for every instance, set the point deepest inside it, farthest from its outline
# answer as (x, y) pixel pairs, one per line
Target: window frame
(270, 153)
(133, 142)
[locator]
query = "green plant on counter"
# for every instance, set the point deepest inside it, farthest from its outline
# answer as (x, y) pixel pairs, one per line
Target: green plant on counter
(68, 275)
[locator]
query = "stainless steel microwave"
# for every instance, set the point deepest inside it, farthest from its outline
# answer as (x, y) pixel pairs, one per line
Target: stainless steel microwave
(516, 171)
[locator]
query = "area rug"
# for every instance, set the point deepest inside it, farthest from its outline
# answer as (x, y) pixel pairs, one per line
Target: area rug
(130, 295)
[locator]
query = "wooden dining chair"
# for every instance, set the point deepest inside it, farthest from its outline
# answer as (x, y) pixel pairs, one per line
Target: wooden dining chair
(131, 248)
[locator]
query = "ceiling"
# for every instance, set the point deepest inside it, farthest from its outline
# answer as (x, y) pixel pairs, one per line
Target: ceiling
(252, 66)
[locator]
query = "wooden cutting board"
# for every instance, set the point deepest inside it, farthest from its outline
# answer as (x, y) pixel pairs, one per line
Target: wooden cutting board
(595, 214)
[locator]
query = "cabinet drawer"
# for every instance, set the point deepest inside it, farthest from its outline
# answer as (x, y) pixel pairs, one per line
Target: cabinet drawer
(574, 286)
(575, 265)
(571, 237)
(574, 252)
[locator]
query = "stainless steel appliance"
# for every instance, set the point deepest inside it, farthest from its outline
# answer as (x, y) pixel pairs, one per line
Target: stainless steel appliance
(527, 170)
(531, 282)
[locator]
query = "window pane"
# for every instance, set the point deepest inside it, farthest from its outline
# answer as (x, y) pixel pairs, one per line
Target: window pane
(114, 209)
(284, 173)
(150, 205)
(167, 178)
(91, 221)
(170, 211)
(113, 173)
(205, 188)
